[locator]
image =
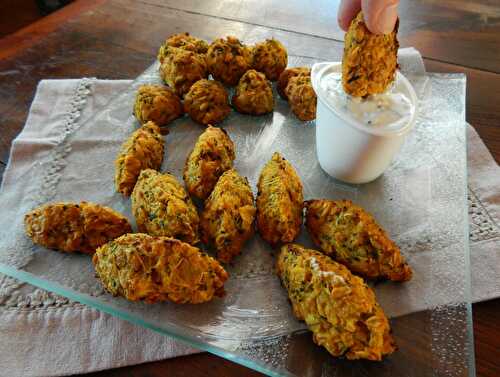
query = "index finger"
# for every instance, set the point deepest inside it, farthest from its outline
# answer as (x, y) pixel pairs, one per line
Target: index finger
(348, 9)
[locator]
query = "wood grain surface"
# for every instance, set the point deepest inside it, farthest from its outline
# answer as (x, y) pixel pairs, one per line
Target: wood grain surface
(16, 14)
(449, 31)
(118, 39)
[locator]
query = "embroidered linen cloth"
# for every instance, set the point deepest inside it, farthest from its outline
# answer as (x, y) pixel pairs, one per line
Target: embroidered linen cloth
(45, 334)
(41, 333)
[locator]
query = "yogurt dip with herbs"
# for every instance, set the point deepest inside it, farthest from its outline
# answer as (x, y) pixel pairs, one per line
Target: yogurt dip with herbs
(390, 110)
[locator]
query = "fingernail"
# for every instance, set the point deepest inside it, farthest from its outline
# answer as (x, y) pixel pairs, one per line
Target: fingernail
(386, 19)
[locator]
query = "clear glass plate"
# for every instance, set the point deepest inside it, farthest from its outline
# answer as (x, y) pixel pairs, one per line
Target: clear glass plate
(420, 201)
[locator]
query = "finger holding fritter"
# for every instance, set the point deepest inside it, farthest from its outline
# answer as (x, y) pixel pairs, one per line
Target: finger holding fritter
(351, 236)
(158, 104)
(211, 156)
(287, 74)
(270, 57)
(302, 97)
(181, 69)
(162, 207)
(207, 102)
(228, 59)
(254, 94)
(337, 306)
(74, 227)
(140, 267)
(142, 150)
(279, 202)
(370, 60)
(228, 215)
(184, 41)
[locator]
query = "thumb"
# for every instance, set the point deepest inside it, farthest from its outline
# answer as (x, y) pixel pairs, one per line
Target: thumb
(380, 15)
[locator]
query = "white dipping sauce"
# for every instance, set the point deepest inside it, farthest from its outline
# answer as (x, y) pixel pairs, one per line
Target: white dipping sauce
(356, 138)
(389, 110)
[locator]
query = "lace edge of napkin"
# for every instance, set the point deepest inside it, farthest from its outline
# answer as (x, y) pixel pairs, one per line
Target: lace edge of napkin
(48, 178)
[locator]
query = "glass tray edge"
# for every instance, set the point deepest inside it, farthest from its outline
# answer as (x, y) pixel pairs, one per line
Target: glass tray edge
(84, 299)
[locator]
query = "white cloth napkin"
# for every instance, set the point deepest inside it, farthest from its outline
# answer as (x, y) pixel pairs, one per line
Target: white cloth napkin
(45, 334)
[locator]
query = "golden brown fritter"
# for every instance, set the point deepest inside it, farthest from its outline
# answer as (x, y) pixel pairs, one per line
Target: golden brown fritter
(207, 102)
(270, 57)
(254, 94)
(184, 41)
(162, 207)
(142, 150)
(140, 267)
(72, 227)
(352, 237)
(370, 60)
(279, 202)
(228, 59)
(181, 69)
(227, 219)
(302, 97)
(158, 104)
(337, 306)
(211, 156)
(287, 74)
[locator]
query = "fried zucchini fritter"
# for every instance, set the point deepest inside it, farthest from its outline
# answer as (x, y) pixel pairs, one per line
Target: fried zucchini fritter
(279, 202)
(287, 74)
(142, 150)
(207, 102)
(370, 60)
(270, 57)
(337, 306)
(158, 104)
(227, 219)
(162, 207)
(183, 41)
(228, 59)
(302, 97)
(352, 237)
(140, 267)
(181, 69)
(254, 94)
(211, 156)
(72, 227)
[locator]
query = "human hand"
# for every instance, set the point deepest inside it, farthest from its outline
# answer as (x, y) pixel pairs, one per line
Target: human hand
(380, 15)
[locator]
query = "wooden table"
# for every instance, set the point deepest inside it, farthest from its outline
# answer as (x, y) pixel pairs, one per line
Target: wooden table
(118, 39)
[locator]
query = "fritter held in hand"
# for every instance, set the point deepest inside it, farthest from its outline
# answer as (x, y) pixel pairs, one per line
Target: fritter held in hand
(370, 60)
(158, 104)
(181, 69)
(228, 59)
(162, 207)
(254, 94)
(287, 74)
(72, 227)
(301, 97)
(184, 41)
(279, 202)
(207, 102)
(142, 150)
(140, 267)
(211, 156)
(337, 306)
(352, 237)
(270, 57)
(227, 219)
